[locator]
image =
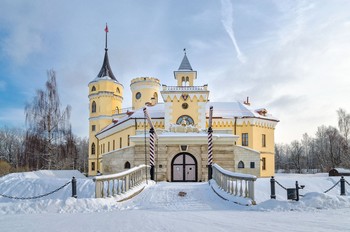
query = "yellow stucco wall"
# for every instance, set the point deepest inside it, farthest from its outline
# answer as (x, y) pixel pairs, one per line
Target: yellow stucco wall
(182, 76)
(255, 133)
(108, 96)
(192, 109)
(148, 87)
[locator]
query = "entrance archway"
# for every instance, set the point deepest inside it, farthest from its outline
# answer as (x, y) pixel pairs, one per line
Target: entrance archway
(184, 168)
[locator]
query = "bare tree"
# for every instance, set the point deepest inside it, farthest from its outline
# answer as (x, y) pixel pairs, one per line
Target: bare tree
(344, 123)
(46, 124)
(11, 145)
(296, 155)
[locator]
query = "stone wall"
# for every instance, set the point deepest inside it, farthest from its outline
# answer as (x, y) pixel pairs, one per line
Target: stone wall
(113, 162)
(247, 155)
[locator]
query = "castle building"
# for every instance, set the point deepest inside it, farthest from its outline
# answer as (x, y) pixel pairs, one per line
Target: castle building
(243, 137)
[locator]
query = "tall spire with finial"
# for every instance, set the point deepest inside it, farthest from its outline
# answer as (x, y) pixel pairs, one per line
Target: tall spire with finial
(106, 68)
(185, 64)
(106, 30)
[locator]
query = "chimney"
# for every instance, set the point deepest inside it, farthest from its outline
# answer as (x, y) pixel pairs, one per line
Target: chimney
(247, 102)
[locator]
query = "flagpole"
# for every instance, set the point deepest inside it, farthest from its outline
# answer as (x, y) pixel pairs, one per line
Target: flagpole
(106, 30)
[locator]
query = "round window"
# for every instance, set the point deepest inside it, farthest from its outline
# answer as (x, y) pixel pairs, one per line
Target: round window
(185, 120)
(138, 95)
(184, 105)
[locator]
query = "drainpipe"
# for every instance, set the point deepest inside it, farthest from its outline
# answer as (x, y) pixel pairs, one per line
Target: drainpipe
(235, 128)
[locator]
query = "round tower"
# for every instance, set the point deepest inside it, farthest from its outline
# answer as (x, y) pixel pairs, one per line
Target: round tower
(105, 100)
(145, 90)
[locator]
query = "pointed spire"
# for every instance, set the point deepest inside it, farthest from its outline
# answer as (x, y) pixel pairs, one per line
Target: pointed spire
(106, 68)
(185, 64)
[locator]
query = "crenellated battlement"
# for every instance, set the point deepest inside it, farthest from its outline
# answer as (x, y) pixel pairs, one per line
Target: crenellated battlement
(145, 79)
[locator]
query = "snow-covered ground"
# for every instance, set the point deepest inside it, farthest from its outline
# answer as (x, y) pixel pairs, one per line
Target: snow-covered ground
(160, 208)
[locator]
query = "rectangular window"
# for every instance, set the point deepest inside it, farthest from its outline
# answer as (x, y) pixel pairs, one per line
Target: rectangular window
(113, 144)
(128, 140)
(93, 128)
(263, 160)
(92, 166)
(108, 147)
(252, 164)
(244, 139)
(121, 142)
(264, 140)
(103, 148)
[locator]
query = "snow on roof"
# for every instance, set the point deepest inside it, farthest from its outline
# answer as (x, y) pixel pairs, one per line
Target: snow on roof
(220, 110)
(156, 111)
(236, 109)
(342, 170)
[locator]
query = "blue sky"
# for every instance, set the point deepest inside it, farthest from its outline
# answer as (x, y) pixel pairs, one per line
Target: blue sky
(291, 57)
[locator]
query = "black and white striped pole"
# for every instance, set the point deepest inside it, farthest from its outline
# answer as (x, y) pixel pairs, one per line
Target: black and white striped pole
(151, 151)
(152, 136)
(210, 145)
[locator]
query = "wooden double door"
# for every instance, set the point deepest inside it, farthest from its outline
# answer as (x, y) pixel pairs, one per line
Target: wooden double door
(184, 168)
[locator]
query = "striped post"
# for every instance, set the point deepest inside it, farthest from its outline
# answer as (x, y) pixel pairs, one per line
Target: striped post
(151, 151)
(210, 145)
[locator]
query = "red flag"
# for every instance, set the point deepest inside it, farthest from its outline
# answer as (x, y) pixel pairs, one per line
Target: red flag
(106, 29)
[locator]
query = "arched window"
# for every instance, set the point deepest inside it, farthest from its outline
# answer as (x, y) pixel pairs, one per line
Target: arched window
(93, 107)
(241, 164)
(93, 88)
(127, 165)
(155, 96)
(118, 90)
(93, 149)
(185, 120)
(117, 110)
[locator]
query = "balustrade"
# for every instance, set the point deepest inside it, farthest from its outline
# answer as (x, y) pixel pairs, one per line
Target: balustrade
(237, 184)
(115, 184)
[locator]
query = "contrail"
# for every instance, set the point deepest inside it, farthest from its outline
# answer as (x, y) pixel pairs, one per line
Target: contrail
(227, 22)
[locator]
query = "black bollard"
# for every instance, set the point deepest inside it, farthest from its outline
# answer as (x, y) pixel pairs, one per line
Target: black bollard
(342, 186)
(74, 187)
(273, 188)
(297, 190)
(152, 172)
(210, 172)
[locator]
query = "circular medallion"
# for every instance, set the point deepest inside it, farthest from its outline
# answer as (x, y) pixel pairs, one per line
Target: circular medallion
(184, 105)
(138, 95)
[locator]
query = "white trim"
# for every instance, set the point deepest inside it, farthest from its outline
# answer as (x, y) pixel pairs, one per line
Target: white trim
(187, 138)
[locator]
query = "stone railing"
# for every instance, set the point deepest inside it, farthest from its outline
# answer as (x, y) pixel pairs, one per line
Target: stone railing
(114, 184)
(237, 184)
(184, 88)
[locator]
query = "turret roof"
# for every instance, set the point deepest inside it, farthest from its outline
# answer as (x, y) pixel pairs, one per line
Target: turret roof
(106, 68)
(185, 64)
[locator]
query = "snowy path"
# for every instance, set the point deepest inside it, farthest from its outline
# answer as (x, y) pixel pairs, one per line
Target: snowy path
(165, 196)
(160, 208)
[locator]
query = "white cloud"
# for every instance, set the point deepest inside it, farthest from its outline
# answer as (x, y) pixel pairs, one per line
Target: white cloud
(298, 52)
(227, 22)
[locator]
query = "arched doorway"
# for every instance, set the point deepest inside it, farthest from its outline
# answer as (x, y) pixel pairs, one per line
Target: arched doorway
(184, 168)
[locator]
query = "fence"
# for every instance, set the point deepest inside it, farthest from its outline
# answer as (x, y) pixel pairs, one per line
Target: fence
(114, 184)
(236, 184)
(74, 192)
(293, 193)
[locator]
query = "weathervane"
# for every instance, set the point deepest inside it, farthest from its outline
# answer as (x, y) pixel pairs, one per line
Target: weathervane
(106, 30)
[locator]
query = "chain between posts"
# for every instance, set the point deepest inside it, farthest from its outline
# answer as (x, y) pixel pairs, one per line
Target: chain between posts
(36, 197)
(347, 182)
(332, 187)
(280, 185)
